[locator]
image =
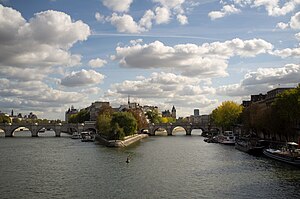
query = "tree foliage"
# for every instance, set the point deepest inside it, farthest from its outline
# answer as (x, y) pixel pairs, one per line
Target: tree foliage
(227, 114)
(4, 119)
(140, 117)
(153, 117)
(126, 121)
(80, 117)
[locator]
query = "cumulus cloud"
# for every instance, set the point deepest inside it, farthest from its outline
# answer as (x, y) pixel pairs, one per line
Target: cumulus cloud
(34, 94)
(294, 22)
(162, 15)
(262, 80)
(165, 88)
(208, 60)
(297, 35)
(282, 25)
(125, 23)
(97, 63)
(287, 52)
(117, 5)
(42, 41)
(82, 78)
(225, 11)
(99, 17)
(182, 19)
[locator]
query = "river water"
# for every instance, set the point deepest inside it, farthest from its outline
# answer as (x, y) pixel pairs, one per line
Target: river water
(161, 167)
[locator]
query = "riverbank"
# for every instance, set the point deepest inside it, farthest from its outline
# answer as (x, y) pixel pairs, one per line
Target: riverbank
(122, 143)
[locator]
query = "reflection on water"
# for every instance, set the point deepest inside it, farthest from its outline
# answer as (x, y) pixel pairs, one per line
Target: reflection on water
(160, 167)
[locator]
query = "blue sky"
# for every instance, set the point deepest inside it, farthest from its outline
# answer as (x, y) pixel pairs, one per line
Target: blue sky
(187, 53)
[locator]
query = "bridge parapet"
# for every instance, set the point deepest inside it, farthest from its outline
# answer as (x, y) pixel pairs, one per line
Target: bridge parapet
(169, 127)
(34, 128)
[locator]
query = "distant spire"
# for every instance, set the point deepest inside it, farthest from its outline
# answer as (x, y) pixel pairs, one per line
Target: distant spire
(12, 112)
(128, 99)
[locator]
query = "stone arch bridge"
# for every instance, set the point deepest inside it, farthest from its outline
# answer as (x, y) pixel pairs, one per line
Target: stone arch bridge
(57, 128)
(188, 127)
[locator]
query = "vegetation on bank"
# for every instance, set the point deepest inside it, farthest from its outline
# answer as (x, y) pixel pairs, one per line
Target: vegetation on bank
(155, 118)
(4, 119)
(227, 114)
(279, 121)
(119, 124)
(80, 117)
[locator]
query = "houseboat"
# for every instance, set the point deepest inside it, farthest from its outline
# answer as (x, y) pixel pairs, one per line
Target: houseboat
(289, 153)
(227, 137)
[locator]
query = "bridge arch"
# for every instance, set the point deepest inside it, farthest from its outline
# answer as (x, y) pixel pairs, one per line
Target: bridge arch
(160, 131)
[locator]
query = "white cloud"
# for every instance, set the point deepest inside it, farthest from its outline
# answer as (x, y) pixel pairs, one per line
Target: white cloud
(282, 25)
(273, 8)
(34, 95)
(262, 80)
(42, 41)
(182, 19)
(225, 11)
(208, 60)
(165, 88)
(117, 5)
(146, 20)
(295, 21)
(287, 52)
(297, 35)
(170, 3)
(82, 78)
(97, 63)
(125, 23)
(99, 17)
(162, 15)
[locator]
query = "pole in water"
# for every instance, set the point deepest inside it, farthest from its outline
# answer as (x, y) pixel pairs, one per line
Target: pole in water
(127, 160)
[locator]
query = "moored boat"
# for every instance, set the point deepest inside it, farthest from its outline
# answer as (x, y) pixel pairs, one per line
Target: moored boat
(76, 135)
(227, 137)
(87, 136)
(289, 154)
(249, 145)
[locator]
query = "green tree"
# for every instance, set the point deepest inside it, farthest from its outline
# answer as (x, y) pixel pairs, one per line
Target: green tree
(287, 108)
(153, 117)
(80, 117)
(4, 119)
(126, 121)
(227, 114)
(103, 124)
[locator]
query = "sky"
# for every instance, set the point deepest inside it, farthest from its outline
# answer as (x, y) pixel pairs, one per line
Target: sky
(193, 54)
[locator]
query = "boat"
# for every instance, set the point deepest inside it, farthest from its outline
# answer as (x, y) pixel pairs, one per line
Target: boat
(252, 146)
(227, 137)
(42, 130)
(289, 153)
(76, 135)
(87, 136)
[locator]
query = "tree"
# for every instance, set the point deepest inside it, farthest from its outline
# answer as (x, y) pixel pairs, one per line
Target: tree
(227, 114)
(126, 121)
(140, 117)
(103, 124)
(80, 117)
(153, 117)
(287, 108)
(4, 119)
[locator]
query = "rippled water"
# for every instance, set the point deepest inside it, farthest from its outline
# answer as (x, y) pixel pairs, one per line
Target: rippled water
(161, 167)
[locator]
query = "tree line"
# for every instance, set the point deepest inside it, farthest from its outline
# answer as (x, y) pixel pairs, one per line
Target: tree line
(278, 121)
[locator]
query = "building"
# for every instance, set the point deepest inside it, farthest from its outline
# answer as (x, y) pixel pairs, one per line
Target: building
(167, 113)
(196, 112)
(95, 109)
(264, 98)
(69, 112)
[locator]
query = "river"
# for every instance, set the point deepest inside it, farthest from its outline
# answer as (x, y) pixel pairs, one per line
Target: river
(176, 166)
